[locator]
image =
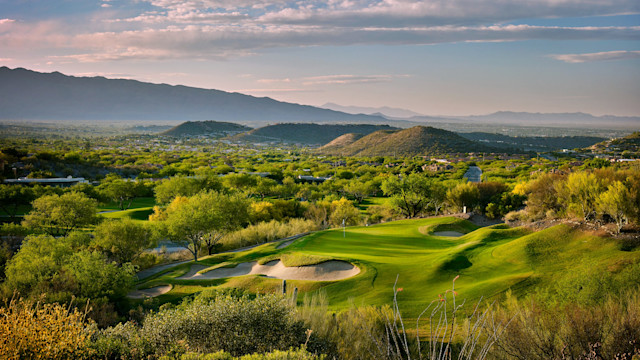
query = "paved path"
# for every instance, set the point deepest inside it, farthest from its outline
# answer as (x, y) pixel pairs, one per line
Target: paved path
(474, 174)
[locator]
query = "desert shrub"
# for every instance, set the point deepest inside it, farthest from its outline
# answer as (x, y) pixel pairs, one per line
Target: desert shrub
(543, 330)
(31, 330)
(236, 325)
(267, 231)
(355, 333)
(123, 341)
(292, 354)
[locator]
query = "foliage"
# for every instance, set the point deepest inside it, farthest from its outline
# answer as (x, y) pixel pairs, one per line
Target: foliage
(203, 219)
(343, 212)
(409, 193)
(60, 214)
(267, 231)
(617, 203)
(121, 191)
(176, 186)
(122, 240)
(14, 196)
(238, 326)
(31, 330)
(546, 330)
(59, 269)
(464, 194)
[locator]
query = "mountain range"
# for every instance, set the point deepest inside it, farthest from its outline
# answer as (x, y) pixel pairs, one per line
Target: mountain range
(30, 95)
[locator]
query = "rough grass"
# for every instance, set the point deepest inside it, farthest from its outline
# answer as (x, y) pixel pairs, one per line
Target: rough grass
(489, 260)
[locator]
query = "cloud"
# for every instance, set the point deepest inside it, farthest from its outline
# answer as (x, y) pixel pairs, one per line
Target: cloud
(599, 56)
(105, 5)
(274, 81)
(345, 79)
(220, 29)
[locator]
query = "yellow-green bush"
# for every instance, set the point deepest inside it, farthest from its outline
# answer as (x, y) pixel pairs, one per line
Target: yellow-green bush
(43, 331)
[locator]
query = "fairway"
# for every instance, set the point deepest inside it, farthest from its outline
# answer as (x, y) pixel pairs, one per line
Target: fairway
(489, 260)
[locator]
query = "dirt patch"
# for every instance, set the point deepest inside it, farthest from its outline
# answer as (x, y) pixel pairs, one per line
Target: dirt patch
(327, 271)
(448, 233)
(150, 292)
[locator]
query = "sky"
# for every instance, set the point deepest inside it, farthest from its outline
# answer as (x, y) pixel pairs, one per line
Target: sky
(434, 57)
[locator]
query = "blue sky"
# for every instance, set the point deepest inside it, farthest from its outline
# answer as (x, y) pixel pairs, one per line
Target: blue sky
(436, 57)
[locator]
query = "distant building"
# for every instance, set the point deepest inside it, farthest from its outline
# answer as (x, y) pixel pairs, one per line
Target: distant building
(60, 182)
(318, 179)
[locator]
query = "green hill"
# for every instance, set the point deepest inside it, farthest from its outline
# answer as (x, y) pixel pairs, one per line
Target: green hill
(309, 134)
(417, 140)
(559, 261)
(205, 128)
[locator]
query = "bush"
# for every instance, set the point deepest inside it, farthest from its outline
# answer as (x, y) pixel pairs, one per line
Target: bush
(32, 330)
(609, 330)
(238, 326)
(267, 231)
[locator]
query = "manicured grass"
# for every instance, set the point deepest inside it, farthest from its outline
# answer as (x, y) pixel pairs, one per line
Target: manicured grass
(489, 260)
(139, 214)
(143, 202)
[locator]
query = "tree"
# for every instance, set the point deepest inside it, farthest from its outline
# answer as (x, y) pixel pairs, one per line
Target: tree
(343, 211)
(616, 202)
(119, 190)
(204, 218)
(437, 195)
(464, 194)
(122, 240)
(409, 193)
(60, 214)
(358, 189)
(14, 196)
(580, 192)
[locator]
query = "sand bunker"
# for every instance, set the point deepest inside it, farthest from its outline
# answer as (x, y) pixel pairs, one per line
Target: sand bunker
(448, 233)
(327, 271)
(150, 292)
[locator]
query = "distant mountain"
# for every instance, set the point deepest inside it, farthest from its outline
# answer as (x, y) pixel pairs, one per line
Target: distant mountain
(556, 120)
(418, 140)
(532, 143)
(308, 134)
(378, 111)
(30, 95)
(206, 128)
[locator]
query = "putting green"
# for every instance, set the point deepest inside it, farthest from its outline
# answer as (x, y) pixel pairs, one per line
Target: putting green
(489, 260)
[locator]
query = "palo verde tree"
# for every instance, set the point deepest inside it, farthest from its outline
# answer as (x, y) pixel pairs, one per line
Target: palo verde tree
(122, 240)
(60, 214)
(119, 190)
(409, 193)
(203, 219)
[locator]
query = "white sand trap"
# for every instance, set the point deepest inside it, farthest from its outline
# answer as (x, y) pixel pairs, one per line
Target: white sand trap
(150, 292)
(327, 271)
(448, 233)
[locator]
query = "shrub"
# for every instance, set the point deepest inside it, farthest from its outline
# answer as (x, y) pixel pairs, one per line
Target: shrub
(267, 231)
(238, 326)
(45, 331)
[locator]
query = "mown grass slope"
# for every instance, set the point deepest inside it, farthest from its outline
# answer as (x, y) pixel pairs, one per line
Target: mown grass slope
(490, 261)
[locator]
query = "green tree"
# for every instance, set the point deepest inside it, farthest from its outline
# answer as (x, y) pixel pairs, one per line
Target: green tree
(464, 194)
(176, 186)
(343, 211)
(204, 218)
(60, 214)
(119, 190)
(12, 197)
(358, 189)
(122, 240)
(409, 193)
(580, 193)
(616, 202)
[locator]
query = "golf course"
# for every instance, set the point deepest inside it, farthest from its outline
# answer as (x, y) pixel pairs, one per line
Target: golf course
(425, 255)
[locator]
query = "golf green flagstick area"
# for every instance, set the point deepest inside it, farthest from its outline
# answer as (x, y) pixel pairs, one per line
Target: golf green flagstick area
(489, 260)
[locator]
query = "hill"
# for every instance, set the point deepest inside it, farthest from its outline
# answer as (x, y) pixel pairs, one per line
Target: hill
(30, 95)
(629, 144)
(426, 258)
(205, 128)
(417, 140)
(308, 134)
(532, 143)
